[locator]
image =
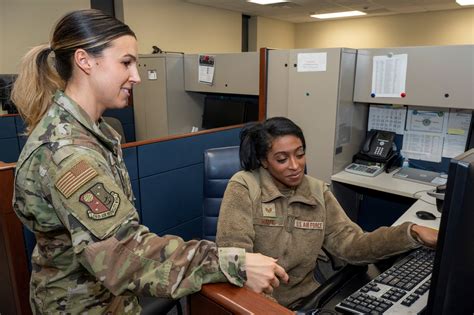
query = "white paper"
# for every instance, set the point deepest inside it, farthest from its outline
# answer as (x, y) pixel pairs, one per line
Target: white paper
(427, 120)
(310, 62)
(389, 75)
(459, 121)
(152, 75)
(454, 145)
(423, 146)
(206, 69)
(386, 117)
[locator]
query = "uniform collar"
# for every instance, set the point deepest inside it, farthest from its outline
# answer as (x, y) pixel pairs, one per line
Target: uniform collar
(101, 130)
(303, 193)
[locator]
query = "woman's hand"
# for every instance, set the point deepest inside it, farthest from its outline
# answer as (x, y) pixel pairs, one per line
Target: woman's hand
(427, 236)
(263, 273)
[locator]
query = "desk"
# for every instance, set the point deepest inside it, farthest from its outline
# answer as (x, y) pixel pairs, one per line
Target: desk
(425, 203)
(379, 200)
(383, 182)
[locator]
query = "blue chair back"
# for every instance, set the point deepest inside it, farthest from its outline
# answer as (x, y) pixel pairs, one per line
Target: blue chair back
(219, 166)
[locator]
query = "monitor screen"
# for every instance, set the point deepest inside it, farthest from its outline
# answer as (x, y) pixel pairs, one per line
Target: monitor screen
(220, 112)
(453, 271)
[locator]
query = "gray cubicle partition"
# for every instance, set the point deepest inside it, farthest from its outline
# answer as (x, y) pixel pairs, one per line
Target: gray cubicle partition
(234, 73)
(167, 179)
(314, 88)
(438, 76)
(162, 107)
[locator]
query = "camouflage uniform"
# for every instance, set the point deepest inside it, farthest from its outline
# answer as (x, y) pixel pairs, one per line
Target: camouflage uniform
(73, 191)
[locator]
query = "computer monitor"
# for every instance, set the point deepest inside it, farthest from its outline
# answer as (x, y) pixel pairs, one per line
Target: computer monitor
(452, 282)
(6, 85)
(220, 112)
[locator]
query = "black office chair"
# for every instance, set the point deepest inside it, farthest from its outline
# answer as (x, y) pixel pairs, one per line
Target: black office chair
(219, 166)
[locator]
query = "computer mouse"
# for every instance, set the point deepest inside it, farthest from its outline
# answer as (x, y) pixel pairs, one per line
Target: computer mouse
(425, 215)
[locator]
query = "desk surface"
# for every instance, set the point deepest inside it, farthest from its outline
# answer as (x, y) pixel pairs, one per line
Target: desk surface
(386, 183)
(383, 182)
(425, 203)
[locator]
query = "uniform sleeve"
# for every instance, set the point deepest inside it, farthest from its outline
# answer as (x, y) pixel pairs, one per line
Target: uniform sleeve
(111, 244)
(235, 224)
(346, 240)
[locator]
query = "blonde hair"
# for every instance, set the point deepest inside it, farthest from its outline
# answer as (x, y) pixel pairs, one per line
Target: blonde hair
(41, 73)
(35, 85)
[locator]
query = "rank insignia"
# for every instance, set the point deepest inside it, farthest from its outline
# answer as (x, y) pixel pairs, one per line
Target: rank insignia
(101, 204)
(268, 210)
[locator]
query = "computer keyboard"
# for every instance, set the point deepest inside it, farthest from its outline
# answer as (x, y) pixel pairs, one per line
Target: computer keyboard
(402, 289)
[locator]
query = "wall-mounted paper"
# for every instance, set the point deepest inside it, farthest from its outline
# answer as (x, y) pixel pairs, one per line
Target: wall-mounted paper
(459, 121)
(389, 75)
(206, 69)
(311, 62)
(422, 146)
(386, 117)
(427, 120)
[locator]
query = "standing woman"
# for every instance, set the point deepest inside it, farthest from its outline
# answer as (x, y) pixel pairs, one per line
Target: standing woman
(273, 208)
(73, 191)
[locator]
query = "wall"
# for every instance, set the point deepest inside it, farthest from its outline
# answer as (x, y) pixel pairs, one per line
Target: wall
(169, 24)
(265, 32)
(177, 26)
(450, 27)
(27, 23)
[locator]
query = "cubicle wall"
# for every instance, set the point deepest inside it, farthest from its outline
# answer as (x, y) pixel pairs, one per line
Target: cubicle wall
(10, 149)
(436, 76)
(314, 88)
(13, 138)
(168, 181)
(234, 73)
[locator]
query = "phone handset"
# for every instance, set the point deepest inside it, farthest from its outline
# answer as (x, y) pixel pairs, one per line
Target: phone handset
(368, 141)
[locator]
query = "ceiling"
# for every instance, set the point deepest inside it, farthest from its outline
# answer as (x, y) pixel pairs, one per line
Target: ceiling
(298, 11)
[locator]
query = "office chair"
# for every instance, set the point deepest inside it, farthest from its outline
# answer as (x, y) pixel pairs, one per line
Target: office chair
(117, 125)
(219, 166)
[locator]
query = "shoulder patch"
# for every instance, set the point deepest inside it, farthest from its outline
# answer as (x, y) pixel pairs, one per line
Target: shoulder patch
(75, 178)
(101, 203)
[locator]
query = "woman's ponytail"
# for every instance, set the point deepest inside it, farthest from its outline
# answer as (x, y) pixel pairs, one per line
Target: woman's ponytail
(250, 140)
(35, 86)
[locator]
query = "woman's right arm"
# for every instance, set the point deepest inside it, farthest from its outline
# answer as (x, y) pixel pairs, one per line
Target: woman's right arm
(113, 246)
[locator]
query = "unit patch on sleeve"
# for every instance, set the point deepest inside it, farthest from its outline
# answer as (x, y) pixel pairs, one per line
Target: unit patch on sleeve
(75, 178)
(101, 204)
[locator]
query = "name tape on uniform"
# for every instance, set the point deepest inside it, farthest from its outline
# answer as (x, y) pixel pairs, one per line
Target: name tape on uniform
(309, 225)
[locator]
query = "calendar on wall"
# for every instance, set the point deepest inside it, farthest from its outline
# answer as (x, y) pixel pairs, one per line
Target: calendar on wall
(388, 118)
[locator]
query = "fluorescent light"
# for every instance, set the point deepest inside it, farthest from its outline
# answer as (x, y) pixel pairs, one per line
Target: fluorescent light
(465, 2)
(263, 2)
(337, 14)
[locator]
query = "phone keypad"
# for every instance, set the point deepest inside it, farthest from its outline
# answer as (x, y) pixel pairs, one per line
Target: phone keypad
(379, 151)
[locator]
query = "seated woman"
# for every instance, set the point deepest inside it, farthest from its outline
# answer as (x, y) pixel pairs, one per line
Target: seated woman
(273, 208)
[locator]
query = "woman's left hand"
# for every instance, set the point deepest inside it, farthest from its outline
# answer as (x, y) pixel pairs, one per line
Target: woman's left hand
(427, 236)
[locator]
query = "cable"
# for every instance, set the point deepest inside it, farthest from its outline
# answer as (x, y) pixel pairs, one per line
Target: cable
(430, 203)
(420, 191)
